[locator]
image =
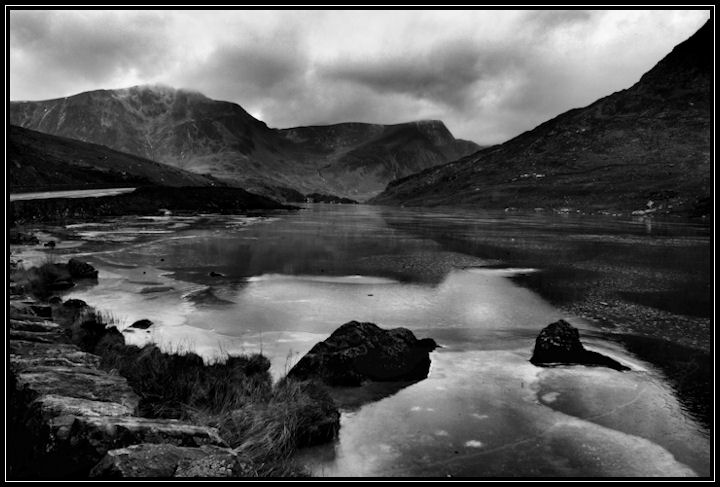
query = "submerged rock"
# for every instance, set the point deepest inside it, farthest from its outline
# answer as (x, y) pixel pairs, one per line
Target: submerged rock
(156, 289)
(559, 343)
(357, 352)
(206, 297)
(142, 324)
(75, 303)
(81, 270)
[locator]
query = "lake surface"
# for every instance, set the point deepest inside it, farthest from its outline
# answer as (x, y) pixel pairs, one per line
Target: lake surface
(284, 282)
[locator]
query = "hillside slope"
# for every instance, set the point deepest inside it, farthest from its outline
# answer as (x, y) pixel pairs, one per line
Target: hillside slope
(644, 148)
(191, 131)
(40, 162)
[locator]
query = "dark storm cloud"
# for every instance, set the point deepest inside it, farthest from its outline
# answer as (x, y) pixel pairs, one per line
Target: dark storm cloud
(67, 49)
(551, 19)
(461, 74)
(488, 74)
(447, 74)
(253, 69)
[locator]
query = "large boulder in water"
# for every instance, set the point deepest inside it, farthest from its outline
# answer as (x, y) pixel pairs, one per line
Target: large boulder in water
(357, 352)
(559, 343)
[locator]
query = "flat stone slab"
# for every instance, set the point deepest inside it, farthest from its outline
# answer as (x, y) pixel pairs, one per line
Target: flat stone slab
(78, 382)
(75, 444)
(82, 359)
(18, 314)
(79, 415)
(51, 405)
(53, 336)
(34, 325)
(24, 354)
(164, 461)
(123, 431)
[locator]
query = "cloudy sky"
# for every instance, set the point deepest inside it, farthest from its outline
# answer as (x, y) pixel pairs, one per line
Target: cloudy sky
(489, 75)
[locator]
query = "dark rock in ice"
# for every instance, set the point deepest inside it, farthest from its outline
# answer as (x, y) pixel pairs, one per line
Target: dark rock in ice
(142, 324)
(75, 304)
(559, 343)
(81, 270)
(216, 274)
(206, 297)
(156, 289)
(357, 352)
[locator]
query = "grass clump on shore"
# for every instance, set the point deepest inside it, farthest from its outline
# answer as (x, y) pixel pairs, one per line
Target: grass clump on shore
(293, 415)
(265, 422)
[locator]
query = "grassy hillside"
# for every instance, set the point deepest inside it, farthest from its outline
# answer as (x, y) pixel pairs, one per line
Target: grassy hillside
(39, 162)
(647, 148)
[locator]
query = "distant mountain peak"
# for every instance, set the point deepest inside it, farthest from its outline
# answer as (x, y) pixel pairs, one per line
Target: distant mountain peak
(160, 89)
(429, 123)
(646, 149)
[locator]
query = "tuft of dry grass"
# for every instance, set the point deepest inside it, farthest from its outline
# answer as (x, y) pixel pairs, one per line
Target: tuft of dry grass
(265, 422)
(296, 414)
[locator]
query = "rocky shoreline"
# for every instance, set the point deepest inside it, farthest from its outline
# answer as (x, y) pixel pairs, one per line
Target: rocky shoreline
(79, 421)
(83, 404)
(149, 200)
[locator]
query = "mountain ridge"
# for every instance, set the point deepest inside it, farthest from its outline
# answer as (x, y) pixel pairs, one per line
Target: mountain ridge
(188, 130)
(645, 148)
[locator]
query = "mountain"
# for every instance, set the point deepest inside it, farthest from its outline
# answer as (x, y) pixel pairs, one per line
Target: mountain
(646, 148)
(190, 131)
(37, 162)
(359, 159)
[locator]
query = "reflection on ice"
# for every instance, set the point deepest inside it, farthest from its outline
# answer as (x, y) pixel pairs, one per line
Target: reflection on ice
(191, 313)
(360, 280)
(518, 435)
